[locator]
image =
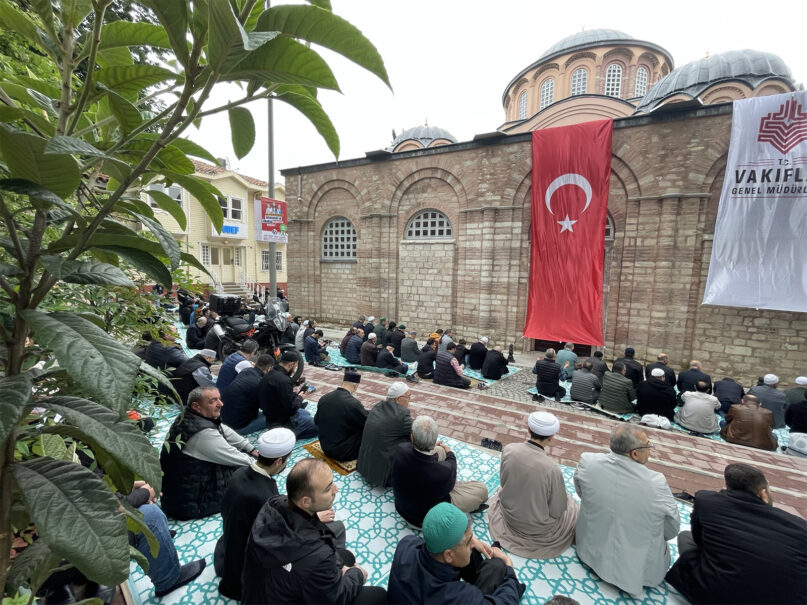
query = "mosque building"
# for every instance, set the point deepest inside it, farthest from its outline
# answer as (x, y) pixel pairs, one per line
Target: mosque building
(435, 232)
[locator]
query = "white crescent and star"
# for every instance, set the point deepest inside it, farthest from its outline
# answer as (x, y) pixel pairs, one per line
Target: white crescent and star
(570, 178)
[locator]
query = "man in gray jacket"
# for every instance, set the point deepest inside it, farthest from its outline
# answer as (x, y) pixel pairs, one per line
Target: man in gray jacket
(409, 347)
(772, 399)
(388, 425)
(617, 392)
(585, 384)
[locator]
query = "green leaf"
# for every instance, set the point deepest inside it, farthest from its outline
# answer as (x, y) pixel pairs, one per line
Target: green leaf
(129, 80)
(134, 206)
(15, 393)
(114, 56)
(283, 61)
(173, 17)
(29, 97)
(77, 517)
(97, 320)
(299, 98)
(224, 31)
(35, 192)
(53, 446)
(184, 145)
(74, 12)
(63, 145)
(6, 269)
(85, 272)
(325, 4)
(100, 427)
(167, 203)
(16, 21)
(126, 33)
(160, 377)
(25, 156)
(13, 114)
(167, 241)
(242, 130)
(319, 26)
(136, 525)
(127, 114)
(28, 564)
(171, 158)
(142, 261)
(201, 191)
(44, 9)
(95, 360)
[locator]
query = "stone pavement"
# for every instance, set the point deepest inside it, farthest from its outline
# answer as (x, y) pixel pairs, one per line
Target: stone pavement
(689, 463)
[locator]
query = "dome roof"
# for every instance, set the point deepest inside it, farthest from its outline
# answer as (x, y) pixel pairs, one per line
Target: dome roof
(425, 135)
(749, 66)
(586, 39)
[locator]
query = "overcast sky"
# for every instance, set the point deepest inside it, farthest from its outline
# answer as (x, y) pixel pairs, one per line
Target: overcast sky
(449, 60)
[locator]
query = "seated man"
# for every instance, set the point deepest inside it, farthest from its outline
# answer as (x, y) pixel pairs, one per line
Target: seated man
(353, 348)
(292, 556)
(796, 414)
(315, 353)
(585, 384)
(446, 566)
(750, 424)
(227, 373)
(426, 359)
(203, 455)
(728, 392)
(388, 424)
(627, 513)
(477, 354)
(195, 336)
(599, 367)
(566, 359)
(689, 378)
(280, 404)
(369, 328)
(771, 398)
(424, 473)
(698, 410)
(386, 359)
(662, 363)
(195, 372)
(461, 352)
(340, 419)
(447, 371)
(163, 352)
(346, 339)
(531, 514)
(396, 337)
(741, 549)
(656, 396)
(633, 369)
(241, 410)
(368, 354)
(409, 347)
(617, 392)
(495, 364)
(548, 382)
(299, 336)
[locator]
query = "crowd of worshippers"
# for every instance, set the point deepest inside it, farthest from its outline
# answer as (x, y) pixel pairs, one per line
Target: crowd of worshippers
(691, 399)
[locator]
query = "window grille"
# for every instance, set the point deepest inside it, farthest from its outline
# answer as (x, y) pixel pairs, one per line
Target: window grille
(338, 239)
(429, 224)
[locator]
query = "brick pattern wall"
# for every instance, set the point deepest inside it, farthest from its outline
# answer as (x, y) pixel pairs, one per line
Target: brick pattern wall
(425, 297)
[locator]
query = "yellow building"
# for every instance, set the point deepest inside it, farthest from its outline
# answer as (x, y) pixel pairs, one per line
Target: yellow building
(234, 257)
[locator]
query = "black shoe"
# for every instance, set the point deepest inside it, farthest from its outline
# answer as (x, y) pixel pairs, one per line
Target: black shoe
(483, 506)
(685, 496)
(537, 397)
(411, 378)
(187, 573)
(172, 533)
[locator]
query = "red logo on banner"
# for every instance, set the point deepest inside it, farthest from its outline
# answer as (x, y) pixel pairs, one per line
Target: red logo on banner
(785, 128)
(571, 169)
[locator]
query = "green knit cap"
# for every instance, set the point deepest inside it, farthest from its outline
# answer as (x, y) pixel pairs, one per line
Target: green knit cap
(443, 527)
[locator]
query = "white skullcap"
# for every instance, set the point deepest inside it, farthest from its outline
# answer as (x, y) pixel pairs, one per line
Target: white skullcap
(484, 339)
(371, 336)
(397, 389)
(543, 424)
(801, 381)
(657, 372)
(771, 379)
(242, 365)
(208, 353)
(276, 443)
(371, 318)
(305, 323)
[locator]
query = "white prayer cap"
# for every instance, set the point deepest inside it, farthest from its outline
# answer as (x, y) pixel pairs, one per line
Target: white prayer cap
(397, 389)
(208, 353)
(484, 339)
(242, 365)
(305, 323)
(543, 424)
(770, 379)
(372, 336)
(801, 381)
(276, 443)
(371, 318)
(657, 372)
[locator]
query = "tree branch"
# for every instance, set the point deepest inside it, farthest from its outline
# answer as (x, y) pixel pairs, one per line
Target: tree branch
(245, 100)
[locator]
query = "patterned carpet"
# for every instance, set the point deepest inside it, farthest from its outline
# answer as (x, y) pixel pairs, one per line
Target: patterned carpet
(374, 529)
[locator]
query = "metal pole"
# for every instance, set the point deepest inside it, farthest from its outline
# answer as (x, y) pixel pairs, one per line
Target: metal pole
(271, 192)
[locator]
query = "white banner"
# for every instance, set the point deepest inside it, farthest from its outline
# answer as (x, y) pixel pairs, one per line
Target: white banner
(759, 256)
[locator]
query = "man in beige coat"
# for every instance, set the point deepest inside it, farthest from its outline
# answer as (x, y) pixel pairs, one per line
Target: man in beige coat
(532, 515)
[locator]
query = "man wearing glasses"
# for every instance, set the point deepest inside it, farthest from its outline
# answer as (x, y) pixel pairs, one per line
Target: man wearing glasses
(627, 513)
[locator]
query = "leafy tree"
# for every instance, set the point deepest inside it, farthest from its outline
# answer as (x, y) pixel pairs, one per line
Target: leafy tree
(76, 156)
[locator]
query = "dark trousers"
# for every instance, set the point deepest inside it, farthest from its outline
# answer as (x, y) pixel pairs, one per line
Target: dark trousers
(485, 574)
(371, 595)
(550, 389)
(685, 542)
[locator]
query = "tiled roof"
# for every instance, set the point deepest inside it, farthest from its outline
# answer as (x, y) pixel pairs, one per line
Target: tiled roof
(205, 168)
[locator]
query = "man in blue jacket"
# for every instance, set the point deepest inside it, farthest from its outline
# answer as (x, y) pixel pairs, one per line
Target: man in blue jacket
(227, 373)
(315, 354)
(353, 348)
(448, 565)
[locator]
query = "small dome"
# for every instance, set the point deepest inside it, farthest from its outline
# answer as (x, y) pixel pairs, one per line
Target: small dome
(425, 135)
(749, 66)
(586, 39)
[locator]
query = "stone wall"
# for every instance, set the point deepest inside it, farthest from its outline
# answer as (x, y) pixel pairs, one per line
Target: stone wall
(667, 172)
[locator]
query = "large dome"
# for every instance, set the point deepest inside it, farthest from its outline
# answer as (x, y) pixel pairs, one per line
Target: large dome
(586, 39)
(749, 66)
(424, 135)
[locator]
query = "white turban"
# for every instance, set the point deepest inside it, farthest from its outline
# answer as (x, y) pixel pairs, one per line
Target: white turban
(770, 379)
(657, 372)
(397, 389)
(372, 336)
(276, 443)
(801, 381)
(543, 424)
(484, 339)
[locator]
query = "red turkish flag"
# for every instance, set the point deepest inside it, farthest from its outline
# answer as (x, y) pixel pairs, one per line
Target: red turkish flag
(571, 170)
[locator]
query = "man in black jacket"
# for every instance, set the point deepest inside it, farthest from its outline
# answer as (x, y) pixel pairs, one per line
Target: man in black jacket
(396, 338)
(741, 549)
(728, 392)
(163, 352)
(291, 554)
(387, 360)
(426, 359)
(662, 364)
(495, 365)
(477, 354)
(195, 336)
(598, 366)
(548, 382)
(195, 372)
(689, 378)
(633, 369)
(340, 419)
(280, 404)
(241, 410)
(655, 396)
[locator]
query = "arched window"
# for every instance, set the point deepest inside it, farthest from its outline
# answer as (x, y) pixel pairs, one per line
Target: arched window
(338, 239)
(579, 82)
(522, 106)
(641, 82)
(547, 92)
(429, 224)
(613, 80)
(609, 228)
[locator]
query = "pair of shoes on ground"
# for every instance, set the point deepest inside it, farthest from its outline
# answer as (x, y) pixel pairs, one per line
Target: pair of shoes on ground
(480, 508)
(492, 444)
(537, 397)
(482, 385)
(187, 573)
(412, 378)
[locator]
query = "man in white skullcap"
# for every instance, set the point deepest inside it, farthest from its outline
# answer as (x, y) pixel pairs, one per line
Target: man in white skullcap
(798, 393)
(532, 515)
(656, 396)
(697, 413)
(388, 425)
(250, 488)
(771, 398)
(477, 353)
